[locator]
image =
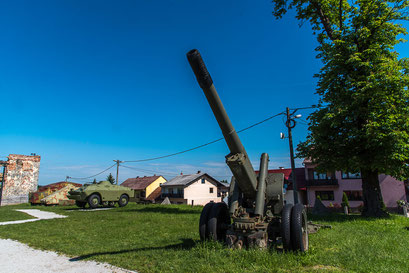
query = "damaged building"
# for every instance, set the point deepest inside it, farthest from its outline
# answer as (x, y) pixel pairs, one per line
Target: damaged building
(20, 178)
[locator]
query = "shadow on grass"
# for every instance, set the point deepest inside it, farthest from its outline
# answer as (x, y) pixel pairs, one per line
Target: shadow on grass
(164, 210)
(186, 244)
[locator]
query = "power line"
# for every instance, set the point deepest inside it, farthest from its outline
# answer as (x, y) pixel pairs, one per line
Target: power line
(80, 178)
(147, 171)
(165, 173)
(185, 151)
(206, 144)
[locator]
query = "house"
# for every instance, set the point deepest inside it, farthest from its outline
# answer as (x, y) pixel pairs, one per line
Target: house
(193, 189)
(147, 187)
(20, 178)
(331, 186)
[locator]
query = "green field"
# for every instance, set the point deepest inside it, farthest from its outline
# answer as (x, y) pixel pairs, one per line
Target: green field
(155, 238)
(7, 214)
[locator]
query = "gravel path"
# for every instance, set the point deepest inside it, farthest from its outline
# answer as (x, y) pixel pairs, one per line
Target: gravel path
(16, 257)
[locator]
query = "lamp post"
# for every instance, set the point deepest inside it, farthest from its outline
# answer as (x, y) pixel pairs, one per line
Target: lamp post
(290, 123)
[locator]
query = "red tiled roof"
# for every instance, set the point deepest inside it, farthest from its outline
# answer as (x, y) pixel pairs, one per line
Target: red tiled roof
(139, 183)
(45, 187)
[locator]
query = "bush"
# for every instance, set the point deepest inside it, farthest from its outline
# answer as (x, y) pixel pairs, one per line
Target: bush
(345, 201)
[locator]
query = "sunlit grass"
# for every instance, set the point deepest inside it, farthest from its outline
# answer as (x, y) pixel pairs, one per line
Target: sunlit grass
(8, 214)
(155, 238)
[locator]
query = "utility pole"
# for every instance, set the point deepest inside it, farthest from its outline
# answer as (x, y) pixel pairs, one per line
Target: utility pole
(290, 123)
(117, 169)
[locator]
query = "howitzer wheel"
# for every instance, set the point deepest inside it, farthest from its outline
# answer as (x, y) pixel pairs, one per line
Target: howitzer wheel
(218, 221)
(94, 200)
(204, 216)
(123, 200)
(299, 228)
(286, 227)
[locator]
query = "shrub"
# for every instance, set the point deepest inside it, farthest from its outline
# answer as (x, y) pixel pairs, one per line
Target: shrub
(345, 201)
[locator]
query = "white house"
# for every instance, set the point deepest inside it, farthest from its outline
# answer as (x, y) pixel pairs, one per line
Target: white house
(193, 189)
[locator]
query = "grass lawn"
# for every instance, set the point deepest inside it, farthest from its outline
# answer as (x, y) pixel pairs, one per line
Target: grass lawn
(155, 238)
(8, 214)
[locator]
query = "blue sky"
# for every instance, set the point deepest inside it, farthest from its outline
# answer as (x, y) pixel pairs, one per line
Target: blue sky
(86, 82)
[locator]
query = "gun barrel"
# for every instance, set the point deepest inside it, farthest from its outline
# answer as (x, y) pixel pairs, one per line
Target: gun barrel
(238, 160)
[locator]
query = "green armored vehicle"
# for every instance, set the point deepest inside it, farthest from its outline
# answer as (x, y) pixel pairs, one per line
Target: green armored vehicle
(102, 193)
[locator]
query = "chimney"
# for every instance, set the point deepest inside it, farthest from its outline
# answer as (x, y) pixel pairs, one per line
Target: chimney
(281, 168)
(198, 171)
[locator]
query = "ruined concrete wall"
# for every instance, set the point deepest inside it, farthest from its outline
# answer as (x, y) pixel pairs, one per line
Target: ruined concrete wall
(20, 179)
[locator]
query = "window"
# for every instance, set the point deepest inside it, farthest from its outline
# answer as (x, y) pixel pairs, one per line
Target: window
(315, 175)
(348, 175)
(210, 190)
(203, 180)
(354, 195)
(143, 193)
(325, 195)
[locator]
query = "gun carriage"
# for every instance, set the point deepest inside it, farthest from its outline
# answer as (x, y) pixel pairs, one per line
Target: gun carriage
(256, 215)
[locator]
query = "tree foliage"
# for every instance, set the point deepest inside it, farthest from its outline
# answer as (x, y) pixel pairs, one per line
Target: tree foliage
(362, 123)
(110, 178)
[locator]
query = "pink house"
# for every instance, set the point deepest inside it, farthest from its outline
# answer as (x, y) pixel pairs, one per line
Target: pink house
(331, 186)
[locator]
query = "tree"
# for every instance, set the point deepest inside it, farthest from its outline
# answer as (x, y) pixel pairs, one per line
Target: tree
(362, 122)
(110, 178)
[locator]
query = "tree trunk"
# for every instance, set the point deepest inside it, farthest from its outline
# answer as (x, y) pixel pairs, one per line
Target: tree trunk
(372, 195)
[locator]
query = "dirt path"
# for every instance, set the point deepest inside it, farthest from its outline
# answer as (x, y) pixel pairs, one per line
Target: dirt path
(16, 257)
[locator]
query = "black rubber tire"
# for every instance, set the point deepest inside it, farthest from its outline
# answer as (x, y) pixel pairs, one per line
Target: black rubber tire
(123, 200)
(94, 201)
(204, 216)
(219, 218)
(299, 228)
(286, 227)
(80, 204)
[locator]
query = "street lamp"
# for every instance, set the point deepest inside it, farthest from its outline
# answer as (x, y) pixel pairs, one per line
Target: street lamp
(290, 123)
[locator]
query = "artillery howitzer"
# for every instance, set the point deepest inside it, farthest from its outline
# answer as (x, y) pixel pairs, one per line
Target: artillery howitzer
(256, 215)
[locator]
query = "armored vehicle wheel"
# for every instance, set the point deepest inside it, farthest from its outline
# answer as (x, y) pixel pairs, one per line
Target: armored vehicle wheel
(204, 216)
(218, 220)
(123, 200)
(286, 227)
(299, 229)
(94, 200)
(80, 204)
(111, 204)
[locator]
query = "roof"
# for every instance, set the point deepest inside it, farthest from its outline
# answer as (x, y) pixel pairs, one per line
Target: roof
(57, 184)
(140, 183)
(300, 176)
(225, 184)
(186, 179)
